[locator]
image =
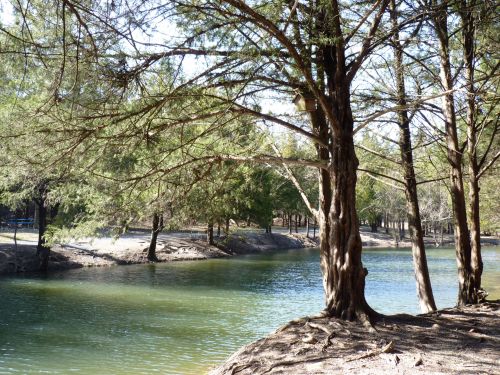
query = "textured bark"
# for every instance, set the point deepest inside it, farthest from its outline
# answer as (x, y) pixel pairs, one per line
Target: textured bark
(343, 271)
(424, 287)
(468, 34)
(466, 292)
(340, 241)
(156, 228)
(475, 230)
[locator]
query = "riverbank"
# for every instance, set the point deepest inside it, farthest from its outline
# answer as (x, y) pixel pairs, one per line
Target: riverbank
(132, 247)
(451, 341)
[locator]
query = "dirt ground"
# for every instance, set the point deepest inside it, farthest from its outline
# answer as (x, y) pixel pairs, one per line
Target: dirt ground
(452, 341)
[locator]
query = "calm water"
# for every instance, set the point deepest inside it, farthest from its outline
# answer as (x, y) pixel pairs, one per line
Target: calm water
(181, 318)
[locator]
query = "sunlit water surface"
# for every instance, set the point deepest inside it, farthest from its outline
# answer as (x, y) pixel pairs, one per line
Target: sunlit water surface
(182, 318)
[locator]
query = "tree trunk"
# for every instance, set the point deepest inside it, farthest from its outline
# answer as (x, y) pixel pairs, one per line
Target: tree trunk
(340, 242)
(156, 228)
(466, 293)
(307, 226)
(343, 271)
(227, 226)
(289, 223)
(297, 219)
(16, 265)
(421, 270)
(468, 35)
(475, 231)
(210, 232)
(35, 217)
(42, 250)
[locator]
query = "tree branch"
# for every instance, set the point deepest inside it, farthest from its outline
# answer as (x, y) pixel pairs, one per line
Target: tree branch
(488, 165)
(356, 64)
(297, 185)
(371, 173)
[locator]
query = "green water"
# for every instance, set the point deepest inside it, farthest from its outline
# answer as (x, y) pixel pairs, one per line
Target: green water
(182, 318)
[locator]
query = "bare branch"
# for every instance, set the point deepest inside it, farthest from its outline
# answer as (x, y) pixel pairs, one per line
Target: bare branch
(371, 175)
(488, 165)
(378, 154)
(296, 183)
(383, 175)
(356, 64)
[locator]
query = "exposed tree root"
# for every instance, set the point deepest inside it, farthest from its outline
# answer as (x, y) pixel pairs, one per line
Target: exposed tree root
(450, 339)
(302, 320)
(294, 362)
(239, 368)
(329, 334)
(385, 349)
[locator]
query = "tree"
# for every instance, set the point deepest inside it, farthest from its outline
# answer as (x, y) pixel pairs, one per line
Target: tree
(156, 228)
(467, 248)
(470, 11)
(424, 288)
(368, 205)
(466, 293)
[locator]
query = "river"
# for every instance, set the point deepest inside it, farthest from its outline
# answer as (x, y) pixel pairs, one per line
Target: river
(182, 318)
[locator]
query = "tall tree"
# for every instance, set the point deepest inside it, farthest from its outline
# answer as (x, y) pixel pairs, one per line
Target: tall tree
(424, 288)
(470, 11)
(466, 292)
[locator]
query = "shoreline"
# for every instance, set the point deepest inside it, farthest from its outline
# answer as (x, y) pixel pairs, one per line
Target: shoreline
(461, 340)
(131, 248)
